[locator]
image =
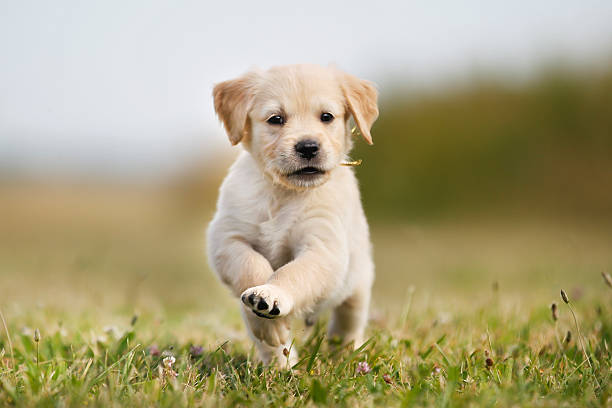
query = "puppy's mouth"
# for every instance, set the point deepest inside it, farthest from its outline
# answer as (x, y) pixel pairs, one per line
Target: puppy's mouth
(308, 172)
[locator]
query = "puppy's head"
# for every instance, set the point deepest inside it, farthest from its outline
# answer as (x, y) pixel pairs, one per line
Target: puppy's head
(294, 119)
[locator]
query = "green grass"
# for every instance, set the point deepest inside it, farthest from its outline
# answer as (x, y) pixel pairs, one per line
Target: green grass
(418, 359)
(78, 265)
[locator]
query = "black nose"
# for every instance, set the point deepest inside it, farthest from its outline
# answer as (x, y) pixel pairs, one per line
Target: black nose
(307, 149)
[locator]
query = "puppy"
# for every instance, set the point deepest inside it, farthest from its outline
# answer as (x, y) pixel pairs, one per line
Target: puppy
(290, 237)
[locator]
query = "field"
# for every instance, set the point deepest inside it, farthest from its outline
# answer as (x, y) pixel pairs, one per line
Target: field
(99, 286)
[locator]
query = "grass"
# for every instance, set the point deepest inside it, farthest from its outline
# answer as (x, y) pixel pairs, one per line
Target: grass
(493, 356)
(116, 282)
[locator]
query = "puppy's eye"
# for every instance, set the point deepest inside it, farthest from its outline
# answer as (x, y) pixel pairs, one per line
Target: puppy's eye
(327, 117)
(276, 120)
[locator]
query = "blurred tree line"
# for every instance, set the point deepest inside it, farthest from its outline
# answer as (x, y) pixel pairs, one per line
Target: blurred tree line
(543, 146)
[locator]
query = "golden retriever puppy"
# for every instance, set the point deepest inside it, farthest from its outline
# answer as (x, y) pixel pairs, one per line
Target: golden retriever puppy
(289, 236)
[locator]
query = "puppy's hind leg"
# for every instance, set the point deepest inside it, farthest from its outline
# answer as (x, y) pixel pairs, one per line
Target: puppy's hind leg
(349, 319)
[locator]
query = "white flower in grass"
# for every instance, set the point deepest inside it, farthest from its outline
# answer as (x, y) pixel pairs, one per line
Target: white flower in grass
(165, 369)
(362, 368)
(168, 362)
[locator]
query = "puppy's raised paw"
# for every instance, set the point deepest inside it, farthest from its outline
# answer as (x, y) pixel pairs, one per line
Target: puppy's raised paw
(267, 301)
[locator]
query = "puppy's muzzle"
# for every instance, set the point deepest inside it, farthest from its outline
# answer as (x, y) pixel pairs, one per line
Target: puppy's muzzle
(307, 149)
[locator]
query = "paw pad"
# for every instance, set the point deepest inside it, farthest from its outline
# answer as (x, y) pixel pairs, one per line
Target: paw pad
(266, 301)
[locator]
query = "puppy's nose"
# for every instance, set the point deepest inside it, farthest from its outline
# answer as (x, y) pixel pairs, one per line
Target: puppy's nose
(307, 149)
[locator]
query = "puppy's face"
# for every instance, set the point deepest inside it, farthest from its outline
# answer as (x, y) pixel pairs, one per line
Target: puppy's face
(298, 125)
(294, 120)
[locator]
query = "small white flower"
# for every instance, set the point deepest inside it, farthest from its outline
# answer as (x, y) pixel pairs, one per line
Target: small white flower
(165, 369)
(168, 362)
(362, 367)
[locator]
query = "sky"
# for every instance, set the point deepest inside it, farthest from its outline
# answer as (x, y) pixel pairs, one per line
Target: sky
(123, 88)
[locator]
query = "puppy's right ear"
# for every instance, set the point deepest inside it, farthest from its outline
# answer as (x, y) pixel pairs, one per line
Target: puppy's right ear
(233, 100)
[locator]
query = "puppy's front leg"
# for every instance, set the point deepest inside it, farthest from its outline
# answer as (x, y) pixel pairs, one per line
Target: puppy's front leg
(272, 339)
(318, 269)
(238, 265)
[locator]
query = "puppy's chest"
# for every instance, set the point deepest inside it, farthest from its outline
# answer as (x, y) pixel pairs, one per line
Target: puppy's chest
(273, 240)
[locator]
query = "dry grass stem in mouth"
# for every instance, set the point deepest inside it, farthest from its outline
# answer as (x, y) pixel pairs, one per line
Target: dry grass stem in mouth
(8, 337)
(351, 163)
(607, 279)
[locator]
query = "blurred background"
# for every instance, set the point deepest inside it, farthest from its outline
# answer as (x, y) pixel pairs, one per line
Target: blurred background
(491, 170)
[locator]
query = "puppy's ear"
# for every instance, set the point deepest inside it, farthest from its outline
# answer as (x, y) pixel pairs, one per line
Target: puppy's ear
(361, 98)
(233, 100)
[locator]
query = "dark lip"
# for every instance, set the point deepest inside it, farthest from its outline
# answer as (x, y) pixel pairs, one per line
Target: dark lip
(307, 171)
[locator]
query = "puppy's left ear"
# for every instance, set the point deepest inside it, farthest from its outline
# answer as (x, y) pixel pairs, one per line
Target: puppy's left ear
(361, 98)
(233, 100)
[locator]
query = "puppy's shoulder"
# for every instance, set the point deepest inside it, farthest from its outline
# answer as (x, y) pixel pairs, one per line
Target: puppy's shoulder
(243, 183)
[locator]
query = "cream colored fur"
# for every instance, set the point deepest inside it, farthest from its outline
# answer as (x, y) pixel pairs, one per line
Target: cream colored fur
(287, 244)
